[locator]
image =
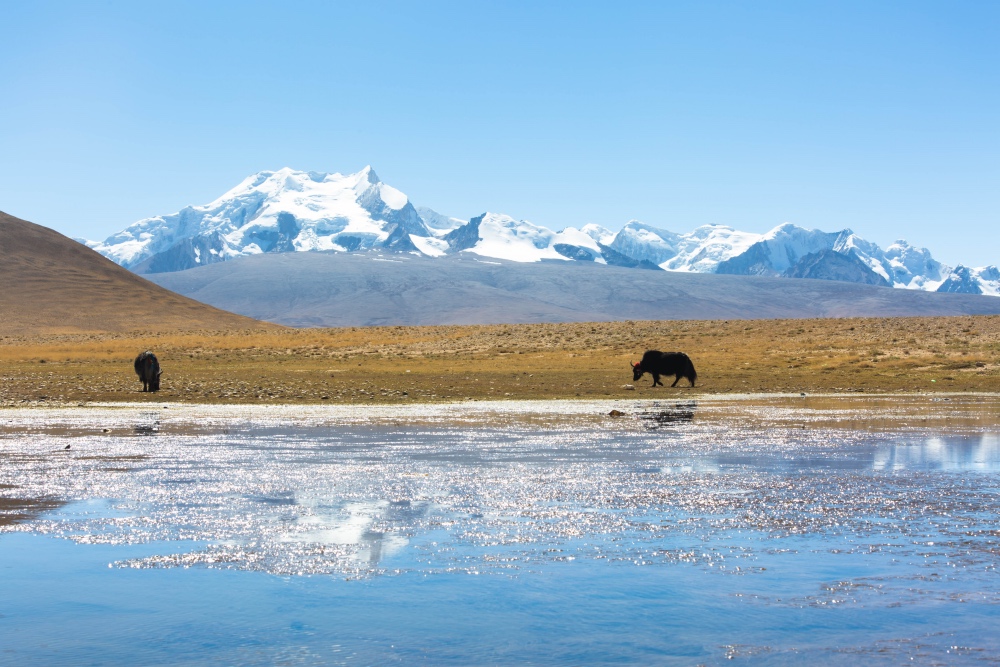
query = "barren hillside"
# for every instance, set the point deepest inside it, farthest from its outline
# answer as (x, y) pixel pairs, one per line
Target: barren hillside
(50, 283)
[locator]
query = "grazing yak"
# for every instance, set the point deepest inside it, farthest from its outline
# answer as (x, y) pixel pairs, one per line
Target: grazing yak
(658, 363)
(148, 370)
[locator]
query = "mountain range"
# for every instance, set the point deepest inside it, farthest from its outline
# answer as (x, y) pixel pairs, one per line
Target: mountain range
(288, 211)
(55, 285)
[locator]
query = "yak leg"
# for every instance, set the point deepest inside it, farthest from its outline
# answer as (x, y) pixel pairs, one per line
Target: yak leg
(656, 379)
(676, 380)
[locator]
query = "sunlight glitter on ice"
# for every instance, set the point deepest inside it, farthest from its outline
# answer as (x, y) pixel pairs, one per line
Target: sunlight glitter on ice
(501, 486)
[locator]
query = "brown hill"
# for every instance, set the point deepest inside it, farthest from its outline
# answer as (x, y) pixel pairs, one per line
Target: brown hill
(50, 283)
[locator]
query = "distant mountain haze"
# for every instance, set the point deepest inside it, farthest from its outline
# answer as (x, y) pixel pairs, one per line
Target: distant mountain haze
(327, 289)
(290, 211)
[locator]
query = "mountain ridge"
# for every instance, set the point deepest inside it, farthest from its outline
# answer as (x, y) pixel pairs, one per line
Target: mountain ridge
(288, 210)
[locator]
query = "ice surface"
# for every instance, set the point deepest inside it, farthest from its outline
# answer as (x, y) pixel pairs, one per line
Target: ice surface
(430, 246)
(362, 491)
(774, 530)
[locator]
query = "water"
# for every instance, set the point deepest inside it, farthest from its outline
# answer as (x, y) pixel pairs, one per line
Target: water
(762, 530)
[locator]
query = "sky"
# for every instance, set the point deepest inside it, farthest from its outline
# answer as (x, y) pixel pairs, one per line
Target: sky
(881, 117)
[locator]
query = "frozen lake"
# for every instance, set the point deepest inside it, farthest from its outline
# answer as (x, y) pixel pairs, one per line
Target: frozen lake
(753, 529)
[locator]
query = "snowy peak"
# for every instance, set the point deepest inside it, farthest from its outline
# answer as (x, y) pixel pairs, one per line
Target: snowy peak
(963, 280)
(699, 251)
(368, 174)
(273, 211)
(293, 211)
(502, 237)
(644, 242)
(599, 234)
(791, 250)
(786, 244)
(702, 250)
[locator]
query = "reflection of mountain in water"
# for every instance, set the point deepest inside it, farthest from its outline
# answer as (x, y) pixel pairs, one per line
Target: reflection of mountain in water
(981, 453)
(369, 525)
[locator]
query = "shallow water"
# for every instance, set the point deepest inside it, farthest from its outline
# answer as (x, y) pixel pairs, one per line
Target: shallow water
(762, 529)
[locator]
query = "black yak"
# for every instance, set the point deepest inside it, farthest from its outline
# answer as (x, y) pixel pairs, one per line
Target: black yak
(148, 370)
(658, 363)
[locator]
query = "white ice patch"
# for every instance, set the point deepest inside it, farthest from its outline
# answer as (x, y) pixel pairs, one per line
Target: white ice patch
(392, 197)
(576, 237)
(503, 237)
(433, 247)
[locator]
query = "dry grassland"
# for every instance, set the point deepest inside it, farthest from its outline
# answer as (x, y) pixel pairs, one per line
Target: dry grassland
(531, 361)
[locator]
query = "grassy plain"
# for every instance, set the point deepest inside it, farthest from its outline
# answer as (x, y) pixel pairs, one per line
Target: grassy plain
(529, 361)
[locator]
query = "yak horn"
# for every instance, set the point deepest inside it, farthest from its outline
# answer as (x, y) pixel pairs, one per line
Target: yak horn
(633, 364)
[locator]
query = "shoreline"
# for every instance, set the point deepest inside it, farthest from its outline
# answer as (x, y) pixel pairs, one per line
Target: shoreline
(877, 411)
(507, 401)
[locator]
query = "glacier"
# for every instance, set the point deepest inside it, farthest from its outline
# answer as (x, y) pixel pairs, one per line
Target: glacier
(305, 211)
(273, 211)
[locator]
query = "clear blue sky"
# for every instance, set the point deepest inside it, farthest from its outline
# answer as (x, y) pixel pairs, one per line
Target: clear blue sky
(879, 116)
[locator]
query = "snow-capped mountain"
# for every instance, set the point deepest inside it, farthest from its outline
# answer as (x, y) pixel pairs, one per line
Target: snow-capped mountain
(984, 280)
(287, 210)
(779, 250)
(699, 251)
(503, 237)
(273, 211)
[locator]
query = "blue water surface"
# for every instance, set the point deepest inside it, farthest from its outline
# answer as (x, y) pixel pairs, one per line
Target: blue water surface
(761, 533)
